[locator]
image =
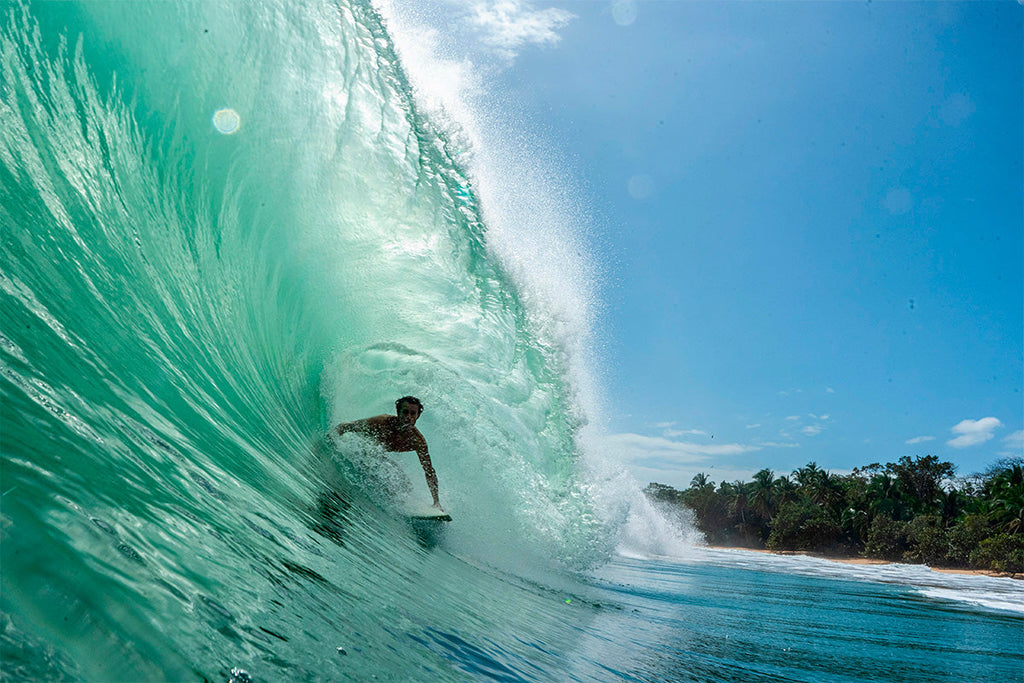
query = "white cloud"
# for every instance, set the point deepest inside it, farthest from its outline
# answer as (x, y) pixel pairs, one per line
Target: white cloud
(662, 446)
(655, 458)
(1014, 444)
(829, 390)
(672, 433)
(656, 452)
(974, 432)
(806, 429)
(665, 425)
(509, 25)
(920, 439)
(754, 426)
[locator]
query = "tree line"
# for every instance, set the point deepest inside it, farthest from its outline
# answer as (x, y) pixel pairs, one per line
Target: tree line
(913, 510)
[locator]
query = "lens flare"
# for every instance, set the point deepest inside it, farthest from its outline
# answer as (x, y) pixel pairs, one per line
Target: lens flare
(226, 121)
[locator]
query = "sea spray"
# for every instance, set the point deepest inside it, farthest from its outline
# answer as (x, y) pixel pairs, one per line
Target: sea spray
(542, 234)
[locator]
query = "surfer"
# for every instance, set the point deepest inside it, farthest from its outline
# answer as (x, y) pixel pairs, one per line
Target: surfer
(397, 433)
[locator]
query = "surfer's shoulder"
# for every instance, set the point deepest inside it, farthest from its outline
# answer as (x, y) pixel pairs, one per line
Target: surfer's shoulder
(367, 424)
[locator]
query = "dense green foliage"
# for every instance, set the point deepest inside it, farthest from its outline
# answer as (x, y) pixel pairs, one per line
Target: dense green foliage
(913, 510)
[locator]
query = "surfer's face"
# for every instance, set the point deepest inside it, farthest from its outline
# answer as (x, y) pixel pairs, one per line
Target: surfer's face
(408, 414)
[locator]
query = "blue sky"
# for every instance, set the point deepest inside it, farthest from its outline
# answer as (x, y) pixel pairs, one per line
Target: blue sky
(807, 217)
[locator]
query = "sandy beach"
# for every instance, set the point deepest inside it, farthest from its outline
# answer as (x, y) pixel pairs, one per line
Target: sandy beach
(867, 560)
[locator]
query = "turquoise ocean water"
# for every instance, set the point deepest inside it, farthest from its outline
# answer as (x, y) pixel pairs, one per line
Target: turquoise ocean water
(226, 227)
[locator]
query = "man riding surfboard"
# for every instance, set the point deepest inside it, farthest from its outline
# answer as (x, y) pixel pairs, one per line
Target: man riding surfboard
(398, 433)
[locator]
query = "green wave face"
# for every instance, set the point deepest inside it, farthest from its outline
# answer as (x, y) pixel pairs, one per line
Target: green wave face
(226, 228)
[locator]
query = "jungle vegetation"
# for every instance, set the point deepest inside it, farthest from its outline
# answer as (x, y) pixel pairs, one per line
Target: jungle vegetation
(914, 510)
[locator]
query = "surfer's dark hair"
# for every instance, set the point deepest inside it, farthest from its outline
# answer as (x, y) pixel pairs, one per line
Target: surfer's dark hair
(408, 399)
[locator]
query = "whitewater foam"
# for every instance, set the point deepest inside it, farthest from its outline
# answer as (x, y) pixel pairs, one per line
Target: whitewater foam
(1001, 593)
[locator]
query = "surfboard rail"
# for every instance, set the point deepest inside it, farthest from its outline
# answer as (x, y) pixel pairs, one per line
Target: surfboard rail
(431, 518)
(425, 511)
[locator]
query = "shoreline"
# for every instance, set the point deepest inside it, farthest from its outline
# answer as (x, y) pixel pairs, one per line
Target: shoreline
(870, 561)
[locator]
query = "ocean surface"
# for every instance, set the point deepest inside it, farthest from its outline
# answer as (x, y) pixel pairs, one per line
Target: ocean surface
(227, 227)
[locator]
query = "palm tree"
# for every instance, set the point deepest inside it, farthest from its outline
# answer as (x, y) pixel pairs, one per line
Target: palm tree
(738, 502)
(1006, 494)
(817, 484)
(953, 503)
(762, 494)
(701, 481)
(807, 476)
(785, 491)
(883, 497)
(856, 521)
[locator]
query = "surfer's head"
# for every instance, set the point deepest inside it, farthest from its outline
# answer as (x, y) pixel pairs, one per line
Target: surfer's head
(408, 409)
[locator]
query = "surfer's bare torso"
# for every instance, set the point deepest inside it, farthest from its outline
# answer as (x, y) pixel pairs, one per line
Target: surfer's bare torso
(388, 431)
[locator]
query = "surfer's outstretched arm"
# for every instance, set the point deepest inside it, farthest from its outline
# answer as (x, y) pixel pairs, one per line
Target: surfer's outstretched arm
(369, 425)
(428, 471)
(345, 427)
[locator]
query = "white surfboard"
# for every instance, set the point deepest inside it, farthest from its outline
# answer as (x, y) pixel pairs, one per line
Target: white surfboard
(427, 512)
